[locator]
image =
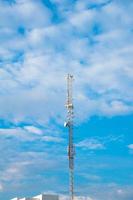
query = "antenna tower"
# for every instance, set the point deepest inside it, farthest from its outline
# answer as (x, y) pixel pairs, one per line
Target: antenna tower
(69, 125)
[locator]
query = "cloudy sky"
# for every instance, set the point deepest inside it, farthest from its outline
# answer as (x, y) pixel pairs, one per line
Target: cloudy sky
(40, 42)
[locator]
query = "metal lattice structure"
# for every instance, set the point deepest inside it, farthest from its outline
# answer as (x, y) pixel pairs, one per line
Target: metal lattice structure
(69, 125)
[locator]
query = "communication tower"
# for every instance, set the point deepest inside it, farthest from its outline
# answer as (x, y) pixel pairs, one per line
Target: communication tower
(69, 125)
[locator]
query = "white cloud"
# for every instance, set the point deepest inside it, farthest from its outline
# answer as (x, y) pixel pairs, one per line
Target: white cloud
(82, 19)
(17, 132)
(130, 146)
(21, 167)
(96, 143)
(91, 144)
(112, 190)
(52, 139)
(23, 12)
(90, 177)
(14, 171)
(31, 133)
(120, 191)
(33, 129)
(1, 187)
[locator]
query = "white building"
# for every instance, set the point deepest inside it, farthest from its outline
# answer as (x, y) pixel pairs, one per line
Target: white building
(40, 197)
(46, 197)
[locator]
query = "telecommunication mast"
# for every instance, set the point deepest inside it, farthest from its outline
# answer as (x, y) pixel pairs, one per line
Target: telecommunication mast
(69, 125)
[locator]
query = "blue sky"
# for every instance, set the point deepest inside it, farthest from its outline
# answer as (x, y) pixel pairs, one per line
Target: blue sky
(40, 42)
